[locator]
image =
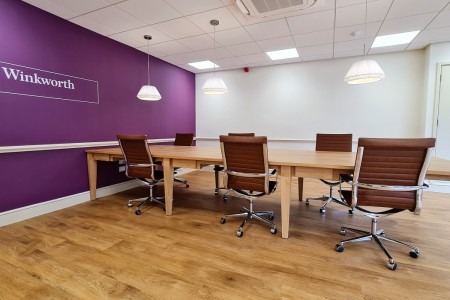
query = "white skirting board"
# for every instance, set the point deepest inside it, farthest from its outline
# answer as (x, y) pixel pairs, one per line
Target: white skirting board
(31, 211)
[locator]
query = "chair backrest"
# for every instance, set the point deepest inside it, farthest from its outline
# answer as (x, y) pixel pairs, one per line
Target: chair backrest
(183, 139)
(392, 162)
(334, 142)
(244, 156)
(241, 134)
(136, 152)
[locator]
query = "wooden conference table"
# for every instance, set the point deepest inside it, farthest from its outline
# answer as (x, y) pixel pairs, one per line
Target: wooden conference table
(289, 163)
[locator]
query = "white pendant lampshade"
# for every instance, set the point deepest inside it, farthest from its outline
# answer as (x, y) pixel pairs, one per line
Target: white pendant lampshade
(149, 93)
(214, 86)
(364, 71)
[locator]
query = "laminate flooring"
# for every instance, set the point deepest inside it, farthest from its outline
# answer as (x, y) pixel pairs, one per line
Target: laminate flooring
(102, 250)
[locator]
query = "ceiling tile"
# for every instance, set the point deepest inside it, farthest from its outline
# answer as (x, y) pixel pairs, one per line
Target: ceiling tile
(108, 21)
(223, 15)
(311, 22)
(254, 58)
(317, 57)
(244, 49)
(135, 37)
(170, 48)
(150, 12)
(184, 58)
(355, 14)
(268, 30)
(314, 38)
(354, 45)
(434, 35)
(227, 62)
(211, 54)
(286, 42)
(178, 28)
(194, 6)
(415, 46)
(406, 24)
(357, 54)
(198, 42)
(232, 37)
(316, 50)
(406, 8)
(346, 33)
(442, 20)
(68, 9)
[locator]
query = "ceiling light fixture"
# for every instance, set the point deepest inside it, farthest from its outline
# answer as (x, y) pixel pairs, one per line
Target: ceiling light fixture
(282, 54)
(394, 39)
(364, 71)
(201, 65)
(214, 85)
(148, 92)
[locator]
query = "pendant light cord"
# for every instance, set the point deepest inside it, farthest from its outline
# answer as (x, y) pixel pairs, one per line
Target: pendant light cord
(148, 61)
(365, 32)
(214, 52)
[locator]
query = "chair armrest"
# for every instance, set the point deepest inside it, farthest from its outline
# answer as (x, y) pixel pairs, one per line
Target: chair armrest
(241, 174)
(397, 188)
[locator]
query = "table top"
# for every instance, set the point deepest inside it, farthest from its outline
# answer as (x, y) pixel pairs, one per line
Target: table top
(302, 158)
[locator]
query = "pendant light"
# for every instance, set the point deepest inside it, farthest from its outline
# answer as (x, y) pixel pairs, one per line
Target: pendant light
(364, 71)
(148, 92)
(214, 85)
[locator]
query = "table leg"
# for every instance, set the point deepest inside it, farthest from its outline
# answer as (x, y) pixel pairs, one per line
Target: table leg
(285, 180)
(92, 175)
(168, 184)
(300, 189)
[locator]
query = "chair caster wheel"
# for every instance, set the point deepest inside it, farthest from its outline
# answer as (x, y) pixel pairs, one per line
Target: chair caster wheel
(137, 212)
(339, 248)
(307, 202)
(225, 198)
(271, 217)
(223, 220)
(273, 230)
(343, 232)
(216, 192)
(392, 266)
(239, 233)
(322, 210)
(414, 254)
(130, 204)
(351, 212)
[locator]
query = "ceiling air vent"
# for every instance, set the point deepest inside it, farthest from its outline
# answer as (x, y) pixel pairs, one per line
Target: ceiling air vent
(264, 8)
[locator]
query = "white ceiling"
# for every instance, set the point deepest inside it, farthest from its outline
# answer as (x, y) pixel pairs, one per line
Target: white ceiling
(182, 33)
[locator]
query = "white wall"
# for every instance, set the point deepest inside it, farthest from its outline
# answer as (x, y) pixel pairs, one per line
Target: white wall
(435, 54)
(290, 103)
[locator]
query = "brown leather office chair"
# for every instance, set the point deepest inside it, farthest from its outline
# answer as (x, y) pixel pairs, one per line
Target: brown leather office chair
(139, 164)
(182, 139)
(331, 142)
(246, 174)
(388, 178)
(219, 168)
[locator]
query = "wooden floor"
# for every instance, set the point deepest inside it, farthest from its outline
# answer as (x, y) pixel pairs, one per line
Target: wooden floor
(102, 250)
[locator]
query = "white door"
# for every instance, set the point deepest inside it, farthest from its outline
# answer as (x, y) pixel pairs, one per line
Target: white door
(443, 119)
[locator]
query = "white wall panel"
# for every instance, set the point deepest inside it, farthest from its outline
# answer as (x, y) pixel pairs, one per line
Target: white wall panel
(295, 101)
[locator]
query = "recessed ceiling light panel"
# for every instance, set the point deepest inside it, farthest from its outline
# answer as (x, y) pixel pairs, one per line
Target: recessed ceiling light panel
(394, 39)
(282, 54)
(206, 64)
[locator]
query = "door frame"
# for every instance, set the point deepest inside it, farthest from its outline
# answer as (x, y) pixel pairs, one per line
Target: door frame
(437, 96)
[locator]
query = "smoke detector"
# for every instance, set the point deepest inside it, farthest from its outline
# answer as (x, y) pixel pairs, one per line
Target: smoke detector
(265, 8)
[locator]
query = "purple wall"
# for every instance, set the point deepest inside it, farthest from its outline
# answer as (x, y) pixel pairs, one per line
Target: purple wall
(34, 38)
